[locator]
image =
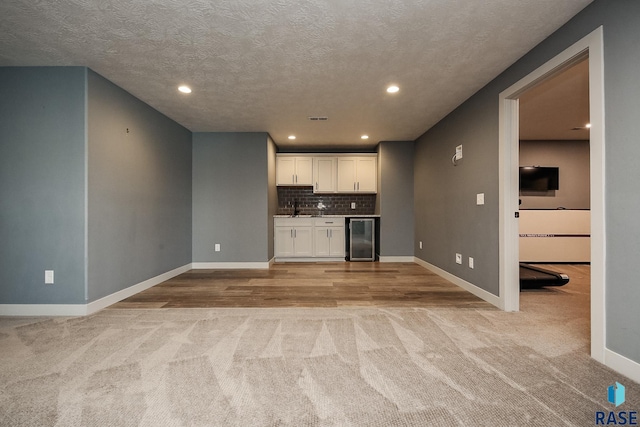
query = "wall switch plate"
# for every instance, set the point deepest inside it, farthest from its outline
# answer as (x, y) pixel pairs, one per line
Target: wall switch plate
(480, 199)
(458, 258)
(353, 205)
(470, 262)
(48, 277)
(217, 247)
(420, 244)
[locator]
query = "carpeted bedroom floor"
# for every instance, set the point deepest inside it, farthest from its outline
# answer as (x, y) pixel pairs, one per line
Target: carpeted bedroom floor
(309, 367)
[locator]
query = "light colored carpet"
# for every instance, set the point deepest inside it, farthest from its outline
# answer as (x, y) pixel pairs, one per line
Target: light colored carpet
(306, 367)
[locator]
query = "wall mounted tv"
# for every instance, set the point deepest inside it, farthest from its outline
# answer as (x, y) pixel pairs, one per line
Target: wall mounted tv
(539, 178)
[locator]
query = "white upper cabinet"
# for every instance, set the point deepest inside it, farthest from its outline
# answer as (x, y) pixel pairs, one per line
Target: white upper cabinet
(324, 174)
(357, 174)
(329, 173)
(294, 170)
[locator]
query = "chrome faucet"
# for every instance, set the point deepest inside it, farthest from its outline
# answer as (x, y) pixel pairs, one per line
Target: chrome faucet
(321, 208)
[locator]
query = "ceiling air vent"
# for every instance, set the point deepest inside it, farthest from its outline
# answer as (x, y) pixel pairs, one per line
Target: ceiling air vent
(318, 118)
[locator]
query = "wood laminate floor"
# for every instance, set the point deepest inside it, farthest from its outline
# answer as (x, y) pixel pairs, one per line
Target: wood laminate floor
(308, 285)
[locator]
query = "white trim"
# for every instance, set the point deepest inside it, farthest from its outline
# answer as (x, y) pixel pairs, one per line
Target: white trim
(115, 297)
(43, 309)
(397, 258)
(309, 259)
(509, 250)
(90, 308)
(591, 45)
(597, 179)
(621, 364)
(479, 292)
(230, 265)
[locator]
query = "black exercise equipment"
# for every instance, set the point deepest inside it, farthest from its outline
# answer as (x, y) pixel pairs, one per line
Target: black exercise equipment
(535, 277)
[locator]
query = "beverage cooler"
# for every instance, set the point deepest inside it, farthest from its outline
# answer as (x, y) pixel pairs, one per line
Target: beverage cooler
(362, 239)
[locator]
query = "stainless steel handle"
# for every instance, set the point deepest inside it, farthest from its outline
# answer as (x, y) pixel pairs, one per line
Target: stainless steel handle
(316, 185)
(291, 233)
(330, 233)
(327, 232)
(354, 186)
(295, 233)
(293, 178)
(296, 179)
(358, 185)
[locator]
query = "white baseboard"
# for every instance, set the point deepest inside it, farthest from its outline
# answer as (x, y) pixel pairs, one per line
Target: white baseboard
(229, 265)
(90, 308)
(104, 302)
(310, 259)
(479, 292)
(396, 258)
(43, 309)
(621, 364)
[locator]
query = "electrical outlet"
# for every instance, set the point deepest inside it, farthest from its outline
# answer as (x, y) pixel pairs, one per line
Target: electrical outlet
(217, 247)
(458, 258)
(470, 262)
(353, 205)
(420, 244)
(480, 199)
(48, 277)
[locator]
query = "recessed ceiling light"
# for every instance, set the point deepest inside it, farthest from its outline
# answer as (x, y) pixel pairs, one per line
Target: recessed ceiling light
(364, 137)
(588, 125)
(184, 89)
(393, 89)
(292, 137)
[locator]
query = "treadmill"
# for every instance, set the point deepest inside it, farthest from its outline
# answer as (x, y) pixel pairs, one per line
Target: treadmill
(535, 277)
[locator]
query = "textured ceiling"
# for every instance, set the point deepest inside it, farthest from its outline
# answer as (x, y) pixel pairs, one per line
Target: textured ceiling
(266, 65)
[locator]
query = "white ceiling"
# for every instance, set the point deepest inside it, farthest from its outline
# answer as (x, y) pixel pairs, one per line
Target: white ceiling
(267, 65)
(557, 108)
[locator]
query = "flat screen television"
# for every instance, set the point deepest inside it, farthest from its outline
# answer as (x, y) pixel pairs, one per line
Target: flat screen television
(539, 178)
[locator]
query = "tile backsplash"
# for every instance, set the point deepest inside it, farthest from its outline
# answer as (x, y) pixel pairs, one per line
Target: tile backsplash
(335, 204)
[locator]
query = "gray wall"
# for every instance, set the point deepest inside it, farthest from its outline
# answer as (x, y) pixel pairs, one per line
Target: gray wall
(231, 197)
(447, 219)
(272, 190)
(42, 184)
(395, 198)
(447, 214)
(572, 159)
(139, 169)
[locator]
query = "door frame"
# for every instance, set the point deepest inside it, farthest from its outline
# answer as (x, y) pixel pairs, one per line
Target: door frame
(590, 46)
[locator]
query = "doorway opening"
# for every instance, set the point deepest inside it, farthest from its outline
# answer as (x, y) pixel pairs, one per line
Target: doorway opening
(590, 47)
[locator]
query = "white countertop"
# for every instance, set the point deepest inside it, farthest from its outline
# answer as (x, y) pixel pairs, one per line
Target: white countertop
(329, 216)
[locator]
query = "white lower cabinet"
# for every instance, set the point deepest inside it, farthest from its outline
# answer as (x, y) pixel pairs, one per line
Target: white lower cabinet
(304, 238)
(293, 237)
(329, 238)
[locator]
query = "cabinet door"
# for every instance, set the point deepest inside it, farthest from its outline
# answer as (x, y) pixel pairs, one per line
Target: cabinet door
(284, 242)
(304, 171)
(322, 242)
(303, 241)
(366, 175)
(347, 175)
(324, 174)
(336, 242)
(285, 170)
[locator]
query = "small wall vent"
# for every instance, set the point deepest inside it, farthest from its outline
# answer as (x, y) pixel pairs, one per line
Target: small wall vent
(318, 118)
